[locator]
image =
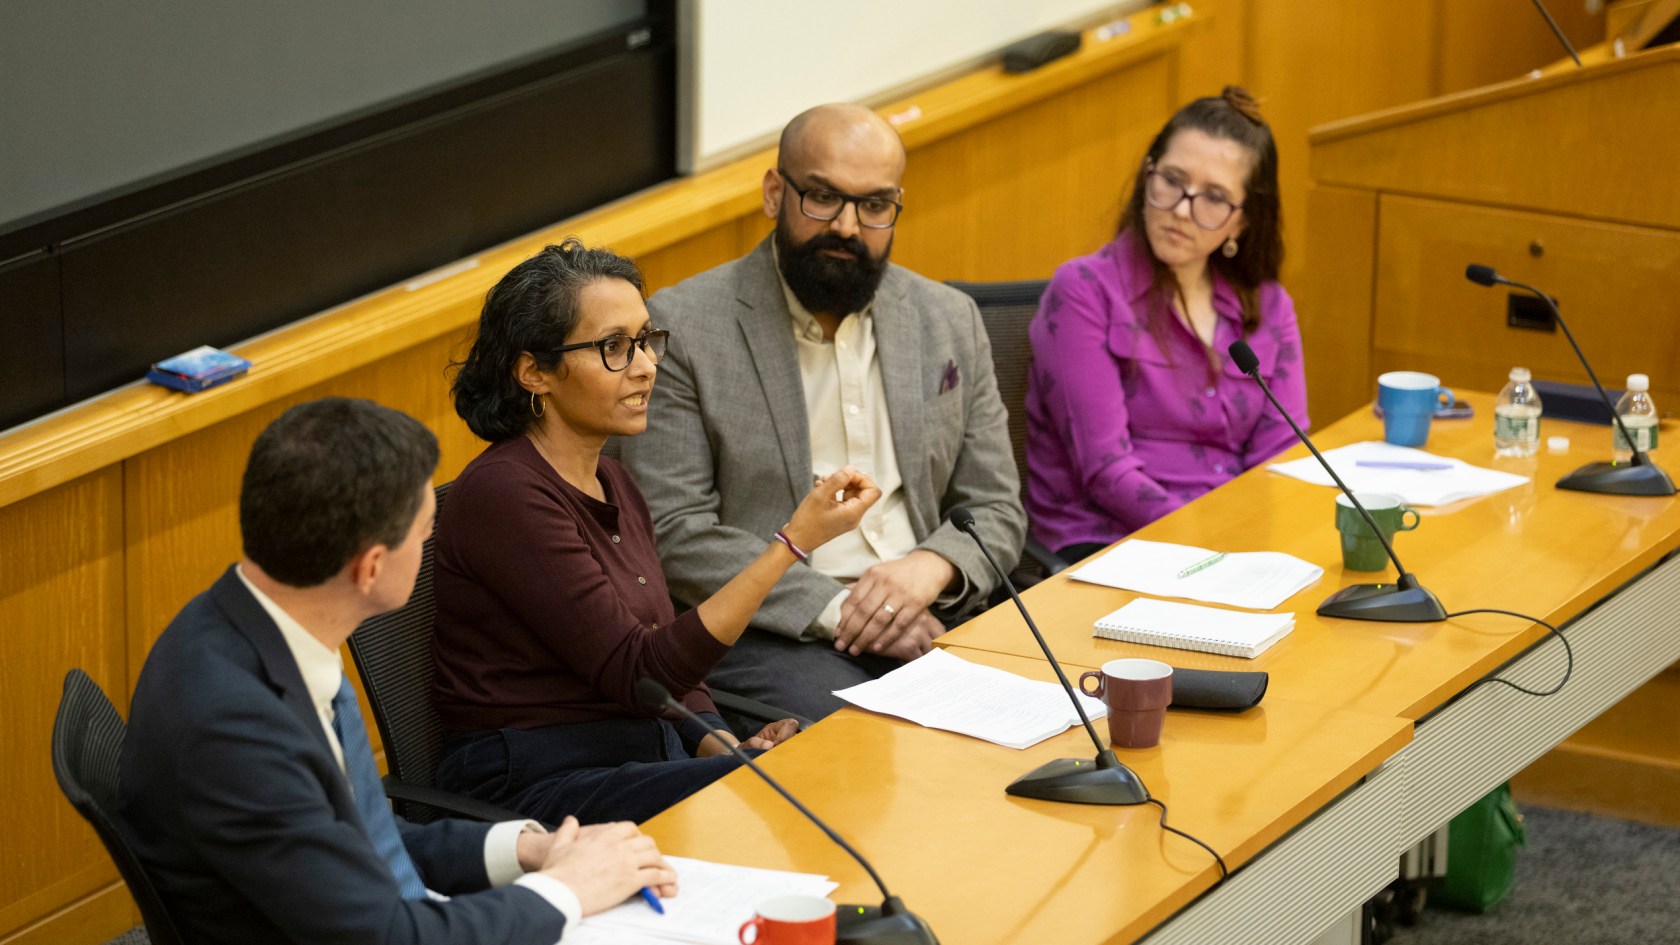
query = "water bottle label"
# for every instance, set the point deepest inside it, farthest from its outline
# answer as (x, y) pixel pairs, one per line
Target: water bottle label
(1644, 436)
(1519, 429)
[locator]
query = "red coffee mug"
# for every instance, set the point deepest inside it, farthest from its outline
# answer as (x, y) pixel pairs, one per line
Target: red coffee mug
(1137, 693)
(791, 920)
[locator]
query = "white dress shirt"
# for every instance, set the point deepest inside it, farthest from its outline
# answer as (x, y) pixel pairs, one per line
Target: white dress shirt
(323, 669)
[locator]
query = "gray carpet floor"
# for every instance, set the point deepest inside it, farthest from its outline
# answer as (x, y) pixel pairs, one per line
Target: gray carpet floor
(1582, 880)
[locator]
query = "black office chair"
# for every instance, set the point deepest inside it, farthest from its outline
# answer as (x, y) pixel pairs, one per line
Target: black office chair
(393, 653)
(1007, 308)
(87, 739)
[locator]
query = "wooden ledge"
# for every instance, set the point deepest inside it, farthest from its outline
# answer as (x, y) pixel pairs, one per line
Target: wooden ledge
(132, 419)
(1489, 95)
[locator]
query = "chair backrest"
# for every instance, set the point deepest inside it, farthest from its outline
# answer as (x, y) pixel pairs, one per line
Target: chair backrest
(393, 653)
(87, 740)
(1007, 308)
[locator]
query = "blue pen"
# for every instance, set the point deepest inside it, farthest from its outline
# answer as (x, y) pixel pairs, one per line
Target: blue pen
(1395, 464)
(652, 900)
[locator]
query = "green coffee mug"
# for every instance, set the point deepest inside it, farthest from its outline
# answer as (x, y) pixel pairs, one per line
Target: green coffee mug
(1361, 551)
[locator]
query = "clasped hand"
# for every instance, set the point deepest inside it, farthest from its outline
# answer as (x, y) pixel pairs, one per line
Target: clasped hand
(602, 864)
(887, 611)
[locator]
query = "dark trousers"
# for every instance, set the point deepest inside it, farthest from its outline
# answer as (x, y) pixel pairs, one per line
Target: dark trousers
(618, 769)
(797, 676)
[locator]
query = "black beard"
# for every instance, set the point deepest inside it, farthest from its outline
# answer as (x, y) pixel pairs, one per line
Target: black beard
(824, 284)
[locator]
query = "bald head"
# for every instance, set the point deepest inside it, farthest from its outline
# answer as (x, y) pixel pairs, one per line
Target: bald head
(844, 133)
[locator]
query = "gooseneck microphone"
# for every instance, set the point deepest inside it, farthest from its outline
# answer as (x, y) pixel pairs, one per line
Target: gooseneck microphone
(1638, 476)
(890, 923)
(1071, 780)
(1404, 601)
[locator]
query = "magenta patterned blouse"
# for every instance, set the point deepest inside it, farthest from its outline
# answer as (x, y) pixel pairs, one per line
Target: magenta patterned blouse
(1120, 432)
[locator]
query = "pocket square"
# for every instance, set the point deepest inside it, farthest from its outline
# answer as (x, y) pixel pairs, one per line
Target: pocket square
(951, 378)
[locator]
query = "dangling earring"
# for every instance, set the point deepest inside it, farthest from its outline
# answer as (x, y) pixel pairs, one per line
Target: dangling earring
(1230, 247)
(537, 411)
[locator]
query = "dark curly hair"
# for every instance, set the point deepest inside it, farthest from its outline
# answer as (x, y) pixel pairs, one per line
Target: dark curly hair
(532, 309)
(1234, 116)
(328, 480)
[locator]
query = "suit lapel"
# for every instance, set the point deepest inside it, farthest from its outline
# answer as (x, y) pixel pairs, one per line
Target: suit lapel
(899, 340)
(767, 327)
(248, 617)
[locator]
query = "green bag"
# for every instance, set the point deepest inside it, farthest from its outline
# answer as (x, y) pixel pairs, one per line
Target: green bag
(1482, 847)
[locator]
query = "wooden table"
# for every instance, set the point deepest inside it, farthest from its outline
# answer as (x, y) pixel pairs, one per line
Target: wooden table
(1533, 549)
(928, 809)
(1371, 736)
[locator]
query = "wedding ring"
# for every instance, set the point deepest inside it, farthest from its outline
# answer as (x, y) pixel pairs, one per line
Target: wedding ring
(889, 609)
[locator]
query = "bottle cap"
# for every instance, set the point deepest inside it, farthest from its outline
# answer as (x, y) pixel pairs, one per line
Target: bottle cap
(1520, 375)
(1639, 382)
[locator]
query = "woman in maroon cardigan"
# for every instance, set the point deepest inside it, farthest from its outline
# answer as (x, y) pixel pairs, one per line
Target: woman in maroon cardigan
(551, 601)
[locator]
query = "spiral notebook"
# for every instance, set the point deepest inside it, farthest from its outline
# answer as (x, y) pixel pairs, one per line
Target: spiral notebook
(1191, 627)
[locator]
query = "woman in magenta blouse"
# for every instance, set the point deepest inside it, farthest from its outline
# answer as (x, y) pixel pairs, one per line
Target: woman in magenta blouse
(551, 604)
(1134, 408)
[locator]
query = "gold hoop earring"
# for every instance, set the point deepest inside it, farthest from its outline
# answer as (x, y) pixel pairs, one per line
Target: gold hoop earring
(1230, 247)
(537, 411)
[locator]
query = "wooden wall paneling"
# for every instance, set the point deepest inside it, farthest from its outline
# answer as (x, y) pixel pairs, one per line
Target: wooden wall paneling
(1311, 61)
(1216, 54)
(1334, 301)
(671, 264)
(61, 586)
(1482, 42)
(1607, 279)
(1580, 143)
(1019, 195)
(98, 917)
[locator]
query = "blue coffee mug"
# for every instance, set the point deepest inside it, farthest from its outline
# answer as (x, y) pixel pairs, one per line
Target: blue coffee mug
(1408, 400)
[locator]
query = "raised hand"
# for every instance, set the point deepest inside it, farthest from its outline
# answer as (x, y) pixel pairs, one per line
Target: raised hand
(834, 506)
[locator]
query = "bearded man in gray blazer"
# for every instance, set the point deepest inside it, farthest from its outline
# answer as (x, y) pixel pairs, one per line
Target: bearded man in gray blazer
(810, 353)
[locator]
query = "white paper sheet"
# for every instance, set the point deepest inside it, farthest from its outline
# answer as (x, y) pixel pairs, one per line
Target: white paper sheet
(1414, 487)
(1258, 580)
(946, 692)
(713, 900)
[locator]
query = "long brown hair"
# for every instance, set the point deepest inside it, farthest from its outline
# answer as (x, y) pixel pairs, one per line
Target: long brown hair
(1235, 116)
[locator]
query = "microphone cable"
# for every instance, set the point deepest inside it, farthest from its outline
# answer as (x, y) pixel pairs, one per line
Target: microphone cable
(1223, 871)
(1568, 652)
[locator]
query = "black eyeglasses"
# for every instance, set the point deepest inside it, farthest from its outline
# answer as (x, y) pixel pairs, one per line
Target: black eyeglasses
(618, 350)
(1208, 211)
(820, 203)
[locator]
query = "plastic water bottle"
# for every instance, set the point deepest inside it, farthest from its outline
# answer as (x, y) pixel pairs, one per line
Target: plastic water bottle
(1516, 417)
(1639, 415)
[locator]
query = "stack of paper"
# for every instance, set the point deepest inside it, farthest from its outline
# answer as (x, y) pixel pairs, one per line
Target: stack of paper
(1189, 627)
(946, 692)
(1427, 486)
(712, 901)
(1259, 580)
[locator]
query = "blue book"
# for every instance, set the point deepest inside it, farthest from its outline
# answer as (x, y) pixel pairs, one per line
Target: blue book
(198, 369)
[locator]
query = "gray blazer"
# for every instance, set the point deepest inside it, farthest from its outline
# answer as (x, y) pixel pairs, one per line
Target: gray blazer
(727, 452)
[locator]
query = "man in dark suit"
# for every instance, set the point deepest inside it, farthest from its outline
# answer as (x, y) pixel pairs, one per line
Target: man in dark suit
(247, 780)
(810, 353)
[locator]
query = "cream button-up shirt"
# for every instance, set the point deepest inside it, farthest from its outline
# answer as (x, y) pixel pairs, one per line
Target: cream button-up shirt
(846, 411)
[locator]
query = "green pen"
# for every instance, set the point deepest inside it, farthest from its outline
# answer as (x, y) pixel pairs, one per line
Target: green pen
(1202, 565)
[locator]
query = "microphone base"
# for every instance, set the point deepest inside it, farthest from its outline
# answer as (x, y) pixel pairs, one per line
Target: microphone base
(1401, 602)
(870, 925)
(1080, 781)
(1619, 479)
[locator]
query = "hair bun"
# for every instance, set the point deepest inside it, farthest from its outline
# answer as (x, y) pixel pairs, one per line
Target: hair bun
(1238, 98)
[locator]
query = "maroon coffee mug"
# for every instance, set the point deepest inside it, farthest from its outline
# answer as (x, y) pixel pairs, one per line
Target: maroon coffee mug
(1137, 693)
